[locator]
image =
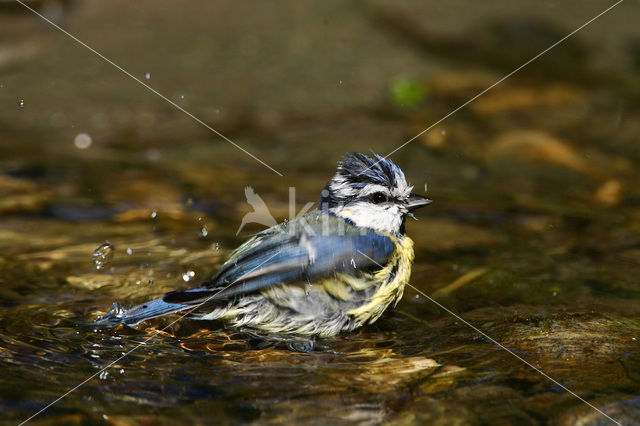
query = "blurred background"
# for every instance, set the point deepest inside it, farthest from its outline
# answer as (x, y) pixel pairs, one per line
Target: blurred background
(533, 236)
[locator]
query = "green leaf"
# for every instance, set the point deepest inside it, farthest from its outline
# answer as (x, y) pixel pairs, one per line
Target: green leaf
(407, 93)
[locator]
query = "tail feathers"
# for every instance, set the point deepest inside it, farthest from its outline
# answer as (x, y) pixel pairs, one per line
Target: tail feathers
(136, 314)
(192, 296)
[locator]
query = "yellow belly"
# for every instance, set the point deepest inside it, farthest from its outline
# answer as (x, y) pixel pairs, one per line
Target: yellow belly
(390, 281)
(328, 307)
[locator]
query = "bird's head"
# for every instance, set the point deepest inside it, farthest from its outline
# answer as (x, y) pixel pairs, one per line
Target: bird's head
(371, 192)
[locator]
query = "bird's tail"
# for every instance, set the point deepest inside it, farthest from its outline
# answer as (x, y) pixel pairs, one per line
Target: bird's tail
(136, 314)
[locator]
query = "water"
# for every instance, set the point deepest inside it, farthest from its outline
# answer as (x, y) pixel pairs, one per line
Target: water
(82, 141)
(533, 236)
(103, 255)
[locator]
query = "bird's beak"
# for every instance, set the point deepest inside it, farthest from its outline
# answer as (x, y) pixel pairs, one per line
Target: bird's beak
(416, 201)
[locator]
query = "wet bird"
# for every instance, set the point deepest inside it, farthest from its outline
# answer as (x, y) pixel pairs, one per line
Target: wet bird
(331, 270)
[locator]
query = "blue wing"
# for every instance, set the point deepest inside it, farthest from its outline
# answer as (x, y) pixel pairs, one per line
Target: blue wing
(284, 255)
(309, 248)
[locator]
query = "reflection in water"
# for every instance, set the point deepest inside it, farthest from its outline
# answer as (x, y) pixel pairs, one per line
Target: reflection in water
(533, 236)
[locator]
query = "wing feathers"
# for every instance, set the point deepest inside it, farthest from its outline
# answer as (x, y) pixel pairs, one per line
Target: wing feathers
(276, 258)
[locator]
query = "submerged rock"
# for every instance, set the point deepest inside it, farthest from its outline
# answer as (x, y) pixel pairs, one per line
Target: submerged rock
(20, 195)
(523, 98)
(538, 146)
(626, 412)
(583, 338)
(609, 193)
(462, 84)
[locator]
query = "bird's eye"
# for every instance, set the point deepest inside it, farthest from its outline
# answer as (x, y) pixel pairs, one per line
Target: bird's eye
(378, 197)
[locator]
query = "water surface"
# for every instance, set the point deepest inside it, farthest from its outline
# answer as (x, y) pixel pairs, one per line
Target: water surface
(534, 235)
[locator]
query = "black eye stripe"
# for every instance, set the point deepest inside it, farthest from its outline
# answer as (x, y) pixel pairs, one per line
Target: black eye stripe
(367, 199)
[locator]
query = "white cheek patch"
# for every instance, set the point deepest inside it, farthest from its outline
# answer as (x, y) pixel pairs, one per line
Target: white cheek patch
(387, 218)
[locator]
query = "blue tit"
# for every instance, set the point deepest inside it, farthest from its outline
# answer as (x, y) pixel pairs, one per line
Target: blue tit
(329, 271)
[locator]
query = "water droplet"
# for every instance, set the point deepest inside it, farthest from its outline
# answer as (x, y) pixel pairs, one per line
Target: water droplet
(154, 213)
(150, 282)
(555, 293)
(147, 75)
(104, 375)
(82, 141)
(425, 188)
(129, 251)
(188, 276)
(181, 96)
(153, 155)
(21, 103)
(443, 132)
(215, 246)
(103, 255)
(122, 371)
(203, 231)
